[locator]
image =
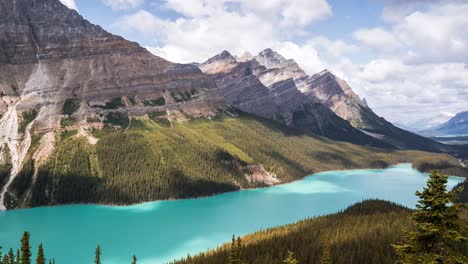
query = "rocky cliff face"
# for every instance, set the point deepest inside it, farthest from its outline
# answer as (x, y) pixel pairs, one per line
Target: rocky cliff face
(264, 86)
(50, 55)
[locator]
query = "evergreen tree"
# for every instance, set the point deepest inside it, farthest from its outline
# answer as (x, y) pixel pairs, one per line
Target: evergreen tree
(25, 249)
(40, 259)
(97, 257)
(134, 261)
(438, 231)
(326, 253)
(18, 256)
(290, 259)
(235, 257)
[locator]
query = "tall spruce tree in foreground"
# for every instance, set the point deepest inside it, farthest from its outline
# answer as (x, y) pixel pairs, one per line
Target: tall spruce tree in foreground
(97, 256)
(290, 259)
(40, 259)
(438, 234)
(25, 249)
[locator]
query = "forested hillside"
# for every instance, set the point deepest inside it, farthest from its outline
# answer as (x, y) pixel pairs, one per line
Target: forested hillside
(363, 233)
(151, 158)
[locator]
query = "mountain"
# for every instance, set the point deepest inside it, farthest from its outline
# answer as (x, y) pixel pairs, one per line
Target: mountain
(240, 80)
(457, 125)
(425, 123)
(264, 86)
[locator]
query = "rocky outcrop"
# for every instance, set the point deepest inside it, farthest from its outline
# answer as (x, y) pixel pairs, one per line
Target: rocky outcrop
(337, 95)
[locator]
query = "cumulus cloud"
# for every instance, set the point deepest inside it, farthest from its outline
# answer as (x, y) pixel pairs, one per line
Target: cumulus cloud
(420, 69)
(206, 27)
(378, 38)
(122, 4)
(419, 54)
(69, 3)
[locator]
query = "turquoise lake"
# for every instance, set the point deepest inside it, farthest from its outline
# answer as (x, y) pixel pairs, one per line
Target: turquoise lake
(159, 232)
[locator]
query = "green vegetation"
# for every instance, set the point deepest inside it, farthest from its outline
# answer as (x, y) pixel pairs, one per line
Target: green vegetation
(6, 166)
(438, 236)
(235, 256)
(97, 255)
(70, 106)
(290, 259)
(117, 119)
(363, 233)
(157, 114)
(24, 256)
(132, 100)
(156, 102)
(67, 121)
(443, 163)
(183, 96)
(147, 160)
(26, 118)
(115, 103)
(25, 249)
(93, 120)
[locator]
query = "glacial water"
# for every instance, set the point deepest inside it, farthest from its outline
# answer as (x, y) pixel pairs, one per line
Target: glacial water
(159, 232)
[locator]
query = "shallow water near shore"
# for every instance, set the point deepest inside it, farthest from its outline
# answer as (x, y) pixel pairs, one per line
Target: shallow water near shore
(159, 232)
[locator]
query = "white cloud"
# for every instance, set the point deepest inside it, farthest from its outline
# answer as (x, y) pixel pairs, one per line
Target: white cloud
(143, 22)
(206, 27)
(378, 39)
(420, 70)
(122, 4)
(70, 4)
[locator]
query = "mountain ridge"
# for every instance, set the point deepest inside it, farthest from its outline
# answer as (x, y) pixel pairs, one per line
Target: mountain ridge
(455, 126)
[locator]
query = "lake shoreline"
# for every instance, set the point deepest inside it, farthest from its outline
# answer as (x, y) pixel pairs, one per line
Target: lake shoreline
(207, 196)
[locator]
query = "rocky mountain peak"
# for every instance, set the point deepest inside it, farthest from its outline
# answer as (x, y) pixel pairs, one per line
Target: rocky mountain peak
(270, 59)
(219, 63)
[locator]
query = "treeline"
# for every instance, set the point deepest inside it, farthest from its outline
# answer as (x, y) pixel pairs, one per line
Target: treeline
(362, 233)
(151, 161)
(23, 255)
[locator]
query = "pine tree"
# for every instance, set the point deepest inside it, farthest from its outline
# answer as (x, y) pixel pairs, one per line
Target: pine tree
(326, 253)
(235, 256)
(25, 249)
(134, 261)
(438, 231)
(290, 259)
(18, 257)
(97, 257)
(40, 259)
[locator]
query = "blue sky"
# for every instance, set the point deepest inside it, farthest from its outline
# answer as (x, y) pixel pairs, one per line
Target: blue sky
(407, 58)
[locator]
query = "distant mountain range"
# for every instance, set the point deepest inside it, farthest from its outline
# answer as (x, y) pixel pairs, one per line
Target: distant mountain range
(270, 86)
(456, 126)
(425, 123)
